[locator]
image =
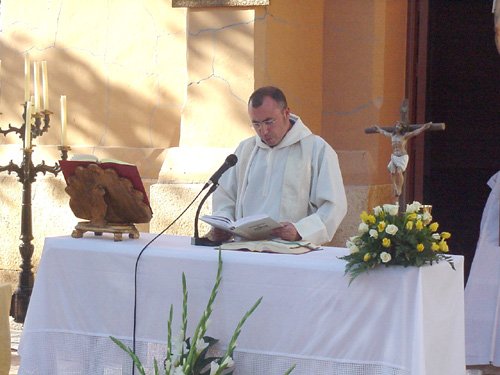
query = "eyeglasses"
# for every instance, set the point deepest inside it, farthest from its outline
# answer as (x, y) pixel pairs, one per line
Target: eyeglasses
(258, 124)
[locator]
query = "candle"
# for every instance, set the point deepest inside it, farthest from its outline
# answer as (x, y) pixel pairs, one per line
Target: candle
(27, 128)
(27, 79)
(45, 86)
(36, 78)
(0, 82)
(63, 120)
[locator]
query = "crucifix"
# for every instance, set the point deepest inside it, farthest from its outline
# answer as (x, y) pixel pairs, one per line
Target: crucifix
(400, 133)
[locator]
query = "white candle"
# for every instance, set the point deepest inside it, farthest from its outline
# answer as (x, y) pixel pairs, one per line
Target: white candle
(45, 86)
(0, 82)
(27, 79)
(63, 120)
(36, 91)
(27, 124)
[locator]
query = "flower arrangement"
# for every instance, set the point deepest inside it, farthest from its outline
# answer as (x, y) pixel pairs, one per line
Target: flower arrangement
(389, 237)
(190, 356)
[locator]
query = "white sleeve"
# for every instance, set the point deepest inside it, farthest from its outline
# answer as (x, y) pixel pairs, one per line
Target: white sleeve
(327, 199)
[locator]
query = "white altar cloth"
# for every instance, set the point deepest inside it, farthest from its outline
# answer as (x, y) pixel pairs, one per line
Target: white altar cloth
(482, 293)
(390, 321)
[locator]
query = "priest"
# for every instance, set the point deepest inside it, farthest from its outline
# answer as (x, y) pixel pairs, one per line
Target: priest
(284, 171)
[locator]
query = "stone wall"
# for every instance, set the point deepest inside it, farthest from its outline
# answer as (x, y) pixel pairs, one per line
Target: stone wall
(143, 79)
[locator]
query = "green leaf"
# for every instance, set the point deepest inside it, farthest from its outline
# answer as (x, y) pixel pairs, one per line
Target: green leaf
(132, 355)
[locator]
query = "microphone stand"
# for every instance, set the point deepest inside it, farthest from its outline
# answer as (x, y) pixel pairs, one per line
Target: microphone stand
(204, 241)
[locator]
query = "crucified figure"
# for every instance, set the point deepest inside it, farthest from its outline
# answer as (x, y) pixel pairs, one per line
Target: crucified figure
(399, 157)
(400, 134)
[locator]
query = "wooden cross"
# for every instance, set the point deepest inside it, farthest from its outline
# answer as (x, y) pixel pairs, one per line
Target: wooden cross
(400, 134)
(405, 122)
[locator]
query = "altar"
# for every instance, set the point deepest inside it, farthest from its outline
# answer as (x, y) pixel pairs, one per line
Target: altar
(395, 320)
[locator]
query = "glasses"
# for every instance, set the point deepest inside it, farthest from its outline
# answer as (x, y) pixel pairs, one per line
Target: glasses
(258, 124)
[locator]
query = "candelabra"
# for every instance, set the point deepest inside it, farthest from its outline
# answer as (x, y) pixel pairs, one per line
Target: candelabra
(26, 173)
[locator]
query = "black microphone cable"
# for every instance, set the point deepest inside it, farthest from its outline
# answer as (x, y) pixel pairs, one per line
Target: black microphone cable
(214, 180)
(136, 266)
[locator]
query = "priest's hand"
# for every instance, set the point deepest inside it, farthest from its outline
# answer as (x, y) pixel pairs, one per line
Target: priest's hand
(287, 232)
(218, 235)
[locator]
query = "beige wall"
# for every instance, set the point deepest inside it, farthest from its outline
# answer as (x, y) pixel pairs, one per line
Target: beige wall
(122, 66)
(364, 81)
(289, 55)
(167, 87)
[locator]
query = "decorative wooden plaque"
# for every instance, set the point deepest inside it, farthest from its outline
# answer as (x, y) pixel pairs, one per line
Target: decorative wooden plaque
(217, 3)
(102, 196)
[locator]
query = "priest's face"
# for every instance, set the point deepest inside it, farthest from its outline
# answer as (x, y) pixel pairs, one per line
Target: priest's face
(270, 121)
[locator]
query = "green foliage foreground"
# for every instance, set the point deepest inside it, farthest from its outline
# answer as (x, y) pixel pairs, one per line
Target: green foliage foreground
(189, 356)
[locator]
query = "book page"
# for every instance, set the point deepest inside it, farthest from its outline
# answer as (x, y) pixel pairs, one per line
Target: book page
(93, 158)
(219, 222)
(272, 246)
(252, 219)
(85, 157)
(257, 227)
(115, 161)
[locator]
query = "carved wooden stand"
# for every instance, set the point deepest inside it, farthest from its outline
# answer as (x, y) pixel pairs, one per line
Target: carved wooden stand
(116, 229)
(108, 201)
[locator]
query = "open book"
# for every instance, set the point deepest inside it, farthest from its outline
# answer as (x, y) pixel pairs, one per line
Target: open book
(271, 246)
(123, 169)
(255, 227)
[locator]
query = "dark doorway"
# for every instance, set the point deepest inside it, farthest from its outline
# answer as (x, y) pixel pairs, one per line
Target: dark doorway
(463, 91)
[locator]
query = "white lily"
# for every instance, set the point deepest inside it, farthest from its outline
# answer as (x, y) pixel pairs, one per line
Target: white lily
(214, 366)
(228, 362)
(200, 345)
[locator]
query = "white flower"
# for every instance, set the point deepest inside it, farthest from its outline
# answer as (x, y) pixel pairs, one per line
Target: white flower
(391, 229)
(228, 362)
(414, 207)
(200, 345)
(168, 364)
(377, 210)
(426, 217)
(214, 366)
(363, 228)
(353, 248)
(351, 244)
(178, 342)
(178, 371)
(385, 257)
(436, 236)
(373, 233)
(391, 209)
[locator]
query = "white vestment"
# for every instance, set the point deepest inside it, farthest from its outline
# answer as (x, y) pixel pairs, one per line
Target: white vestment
(298, 181)
(482, 292)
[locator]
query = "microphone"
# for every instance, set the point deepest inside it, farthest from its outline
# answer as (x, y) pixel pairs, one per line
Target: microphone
(214, 180)
(230, 161)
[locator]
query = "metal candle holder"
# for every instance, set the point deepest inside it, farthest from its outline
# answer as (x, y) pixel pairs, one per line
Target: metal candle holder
(26, 173)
